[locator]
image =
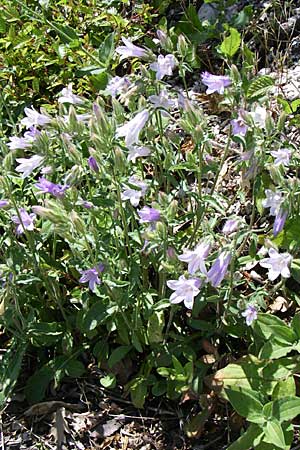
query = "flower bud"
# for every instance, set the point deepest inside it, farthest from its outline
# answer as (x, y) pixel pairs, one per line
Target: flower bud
(281, 121)
(182, 46)
(77, 222)
(119, 159)
(172, 210)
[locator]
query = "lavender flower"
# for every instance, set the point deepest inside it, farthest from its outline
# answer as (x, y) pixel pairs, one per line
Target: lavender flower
(250, 314)
(27, 165)
(279, 221)
(162, 100)
(19, 143)
(278, 264)
(91, 276)
(87, 205)
(282, 156)
(259, 116)
(24, 222)
(34, 118)
(148, 215)
(132, 129)
(239, 126)
(137, 152)
(273, 201)
(135, 195)
(162, 37)
(219, 268)
(3, 203)
(47, 187)
(130, 50)
(67, 96)
(118, 85)
(185, 290)
(230, 226)
(164, 66)
(196, 258)
(215, 83)
(93, 164)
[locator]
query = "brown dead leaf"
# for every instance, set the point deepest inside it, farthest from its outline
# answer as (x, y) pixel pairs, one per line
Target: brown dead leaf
(210, 348)
(188, 395)
(43, 408)
(107, 429)
(208, 359)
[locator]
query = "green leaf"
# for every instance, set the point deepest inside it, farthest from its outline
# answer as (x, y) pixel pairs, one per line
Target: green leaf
(106, 49)
(274, 433)
(44, 333)
(74, 368)
(10, 369)
(268, 326)
(66, 33)
(251, 438)
(155, 327)
(97, 314)
(231, 43)
(118, 354)
(259, 86)
(273, 350)
(109, 381)
(296, 323)
(138, 392)
(284, 388)
(246, 403)
(286, 408)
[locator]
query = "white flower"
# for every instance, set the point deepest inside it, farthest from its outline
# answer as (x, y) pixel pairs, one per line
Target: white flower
(135, 195)
(185, 290)
(19, 143)
(196, 258)
(273, 201)
(132, 129)
(282, 156)
(277, 264)
(34, 118)
(130, 50)
(137, 152)
(118, 85)
(162, 100)
(67, 96)
(84, 118)
(163, 66)
(27, 165)
(259, 116)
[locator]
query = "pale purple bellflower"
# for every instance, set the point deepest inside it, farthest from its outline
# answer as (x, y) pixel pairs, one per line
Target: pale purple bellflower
(196, 258)
(163, 66)
(25, 221)
(162, 101)
(273, 201)
(4, 203)
(24, 142)
(118, 85)
(148, 215)
(137, 152)
(67, 96)
(47, 187)
(132, 129)
(282, 156)
(28, 165)
(219, 268)
(91, 276)
(185, 290)
(279, 221)
(93, 164)
(230, 226)
(277, 263)
(250, 314)
(239, 126)
(134, 195)
(130, 50)
(34, 118)
(215, 83)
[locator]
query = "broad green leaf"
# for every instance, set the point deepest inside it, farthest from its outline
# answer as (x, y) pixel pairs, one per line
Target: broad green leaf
(106, 49)
(66, 33)
(284, 388)
(109, 381)
(274, 433)
(259, 86)
(231, 43)
(74, 368)
(274, 350)
(286, 408)
(45, 334)
(97, 314)
(138, 391)
(296, 323)
(10, 369)
(247, 403)
(251, 438)
(38, 383)
(155, 327)
(118, 354)
(268, 326)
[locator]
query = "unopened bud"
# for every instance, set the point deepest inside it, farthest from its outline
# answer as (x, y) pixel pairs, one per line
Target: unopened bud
(182, 46)
(172, 210)
(119, 159)
(49, 214)
(281, 121)
(235, 74)
(77, 222)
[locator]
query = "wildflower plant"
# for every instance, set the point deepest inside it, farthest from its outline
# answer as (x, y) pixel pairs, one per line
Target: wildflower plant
(130, 245)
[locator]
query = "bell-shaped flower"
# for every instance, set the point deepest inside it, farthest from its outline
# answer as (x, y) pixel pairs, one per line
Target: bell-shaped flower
(67, 96)
(219, 268)
(196, 258)
(273, 201)
(130, 50)
(134, 195)
(34, 118)
(250, 314)
(277, 263)
(279, 221)
(215, 83)
(131, 130)
(27, 165)
(137, 152)
(164, 66)
(185, 290)
(282, 156)
(24, 222)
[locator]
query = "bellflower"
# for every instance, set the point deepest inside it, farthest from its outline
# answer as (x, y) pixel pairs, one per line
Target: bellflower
(164, 66)
(132, 129)
(282, 156)
(130, 50)
(185, 290)
(273, 201)
(279, 221)
(27, 165)
(148, 215)
(259, 116)
(239, 126)
(277, 263)
(250, 314)
(196, 258)
(93, 164)
(47, 187)
(137, 152)
(91, 276)
(34, 118)
(219, 268)
(3, 203)
(162, 100)
(19, 143)
(67, 96)
(215, 83)
(25, 221)
(230, 226)
(135, 195)
(162, 37)
(118, 85)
